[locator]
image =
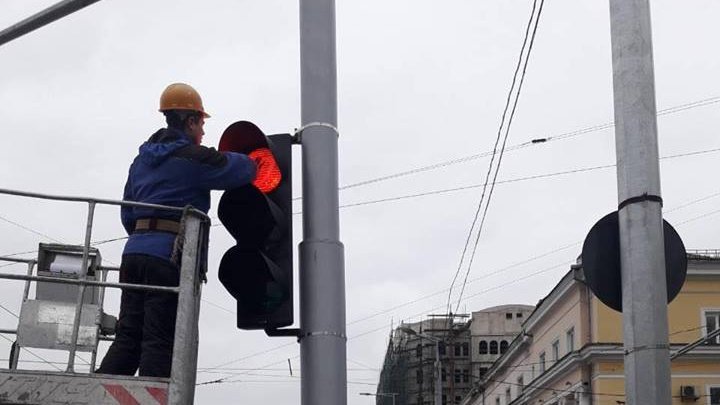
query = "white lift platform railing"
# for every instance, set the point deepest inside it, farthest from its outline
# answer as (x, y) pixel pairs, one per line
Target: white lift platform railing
(54, 321)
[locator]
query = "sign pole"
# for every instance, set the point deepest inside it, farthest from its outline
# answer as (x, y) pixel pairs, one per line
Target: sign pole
(642, 255)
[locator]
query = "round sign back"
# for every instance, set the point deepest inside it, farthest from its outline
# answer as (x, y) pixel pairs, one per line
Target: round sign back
(601, 261)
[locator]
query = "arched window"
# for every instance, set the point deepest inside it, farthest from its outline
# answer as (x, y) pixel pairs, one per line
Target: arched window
(418, 351)
(494, 347)
(483, 347)
(503, 346)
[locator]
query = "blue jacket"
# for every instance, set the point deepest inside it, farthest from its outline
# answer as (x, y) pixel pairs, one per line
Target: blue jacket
(170, 169)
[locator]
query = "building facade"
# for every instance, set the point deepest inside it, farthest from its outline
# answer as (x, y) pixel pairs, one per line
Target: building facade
(467, 346)
(491, 331)
(570, 349)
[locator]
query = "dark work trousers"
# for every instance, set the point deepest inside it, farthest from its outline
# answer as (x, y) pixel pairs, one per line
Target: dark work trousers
(146, 325)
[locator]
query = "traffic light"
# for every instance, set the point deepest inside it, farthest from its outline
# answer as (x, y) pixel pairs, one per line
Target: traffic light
(257, 271)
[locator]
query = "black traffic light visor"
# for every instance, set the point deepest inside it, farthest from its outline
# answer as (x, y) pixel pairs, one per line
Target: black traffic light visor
(242, 137)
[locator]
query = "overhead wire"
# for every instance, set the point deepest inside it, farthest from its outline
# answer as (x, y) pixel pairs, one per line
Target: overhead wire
(353, 337)
(517, 179)
(9, 311)
(384, 327)
(32, 353)
(442, 291)
(29, 229)
(502, 153)
(404, 304)
(428, 193)
(544, 387)
(556, 390)
(483, 220)
(535, 141)
(687, 154)
(532, 25)
(290, 379)
(484, 276)
(492, 158)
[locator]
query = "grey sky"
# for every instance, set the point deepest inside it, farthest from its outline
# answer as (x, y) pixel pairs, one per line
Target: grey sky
(419, 82)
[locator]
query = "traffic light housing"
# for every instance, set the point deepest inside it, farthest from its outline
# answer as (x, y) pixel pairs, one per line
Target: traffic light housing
(258, 270)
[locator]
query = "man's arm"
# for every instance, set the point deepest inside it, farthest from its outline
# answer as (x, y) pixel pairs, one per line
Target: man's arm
(219, 170)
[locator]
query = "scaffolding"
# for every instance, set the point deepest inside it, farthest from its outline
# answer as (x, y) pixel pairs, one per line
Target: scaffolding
(67, 314)
(411, 371)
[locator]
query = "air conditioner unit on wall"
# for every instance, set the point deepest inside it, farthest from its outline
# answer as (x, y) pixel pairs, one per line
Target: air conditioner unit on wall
(687, 392)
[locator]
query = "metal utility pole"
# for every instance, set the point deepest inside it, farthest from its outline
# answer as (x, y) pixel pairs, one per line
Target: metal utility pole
(322, 268)
(642, 254)
(45, 17)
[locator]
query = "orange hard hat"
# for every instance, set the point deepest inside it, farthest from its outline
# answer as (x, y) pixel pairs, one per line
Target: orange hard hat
(181, 96)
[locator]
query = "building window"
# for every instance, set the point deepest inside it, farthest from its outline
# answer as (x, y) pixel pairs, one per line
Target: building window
(508, 315)
(508, 396)
(497, 400)
(519, 315)
(482, 371)
(456, 376)
(570, 339)
(503, 346)
(494, 347)
(483, 347)
(556, 350)
(443, 375)
(419, 376)
(444, 400)
(457, 350)
(541, 360)
(466, 375)
(466, 349)
(714, 395)
(441, 348)
(712, 322)
(458, 399)
(418, 351)
(520, 384)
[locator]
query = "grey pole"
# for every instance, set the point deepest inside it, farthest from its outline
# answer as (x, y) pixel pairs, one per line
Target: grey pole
(642, 254)
(45, 17)
(322, 269)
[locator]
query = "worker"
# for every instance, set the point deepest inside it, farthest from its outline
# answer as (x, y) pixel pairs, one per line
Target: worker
(171, 168)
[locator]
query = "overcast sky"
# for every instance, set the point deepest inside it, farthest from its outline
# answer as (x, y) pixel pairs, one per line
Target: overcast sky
(419, 82)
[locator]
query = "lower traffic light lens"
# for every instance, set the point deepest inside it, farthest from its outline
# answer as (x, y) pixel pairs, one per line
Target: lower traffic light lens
(246, 214)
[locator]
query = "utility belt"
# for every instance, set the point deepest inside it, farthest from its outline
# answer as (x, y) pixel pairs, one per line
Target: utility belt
(157, 224)
(178, 229)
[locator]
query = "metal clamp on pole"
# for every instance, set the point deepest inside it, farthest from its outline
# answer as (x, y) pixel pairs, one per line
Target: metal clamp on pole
(323, 333)
(640, 198)
(297, 136)
(660, 346)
